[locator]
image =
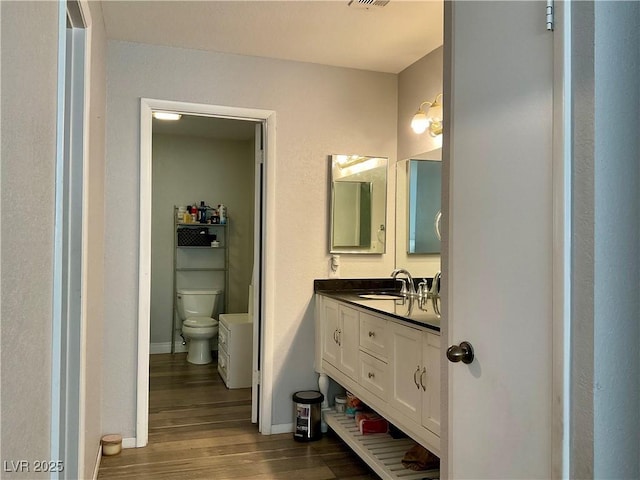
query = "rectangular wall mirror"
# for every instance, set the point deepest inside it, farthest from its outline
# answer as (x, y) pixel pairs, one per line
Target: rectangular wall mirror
(418, 200)
(358, 204)
(423, 195)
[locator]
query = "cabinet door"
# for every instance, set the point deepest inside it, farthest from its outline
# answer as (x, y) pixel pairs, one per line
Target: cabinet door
(406, 365)
(349, 338)
(330, 330)
(430, 383)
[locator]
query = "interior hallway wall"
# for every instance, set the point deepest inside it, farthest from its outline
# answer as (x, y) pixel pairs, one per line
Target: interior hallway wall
(605, 333)
(320, 110)
(29, 90)
(190, 169)
(94, 188)
(29, 104)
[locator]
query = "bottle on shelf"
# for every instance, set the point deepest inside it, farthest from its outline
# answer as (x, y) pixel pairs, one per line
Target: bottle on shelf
(202, 213)
(222, 211)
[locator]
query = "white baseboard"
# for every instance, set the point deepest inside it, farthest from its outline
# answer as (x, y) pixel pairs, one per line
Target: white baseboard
(97, 465)
(282, 428)
(165, 347)
(129, 442)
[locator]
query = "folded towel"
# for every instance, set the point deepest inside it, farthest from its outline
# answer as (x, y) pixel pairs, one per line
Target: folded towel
(419, 458)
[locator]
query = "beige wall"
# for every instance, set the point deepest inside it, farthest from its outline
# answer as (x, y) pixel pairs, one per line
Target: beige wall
(419, 82)
(319, 111)
(92, 372)
(416, 83)
(29, 80)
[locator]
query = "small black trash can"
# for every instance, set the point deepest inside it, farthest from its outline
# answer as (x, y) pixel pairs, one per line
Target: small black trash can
(308, 411)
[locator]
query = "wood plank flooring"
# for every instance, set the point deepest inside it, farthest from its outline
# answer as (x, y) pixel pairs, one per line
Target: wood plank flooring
(198, 429)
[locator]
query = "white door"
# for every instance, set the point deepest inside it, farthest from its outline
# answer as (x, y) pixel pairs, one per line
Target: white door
(498, 267)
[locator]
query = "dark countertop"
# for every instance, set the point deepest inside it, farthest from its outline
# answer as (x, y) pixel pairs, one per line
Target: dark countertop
(410, 310)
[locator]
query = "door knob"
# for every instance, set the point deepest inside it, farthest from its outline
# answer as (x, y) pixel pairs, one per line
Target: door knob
(462, 352)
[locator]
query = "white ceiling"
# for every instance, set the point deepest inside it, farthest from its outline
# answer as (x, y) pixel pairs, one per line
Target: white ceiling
(329, 32)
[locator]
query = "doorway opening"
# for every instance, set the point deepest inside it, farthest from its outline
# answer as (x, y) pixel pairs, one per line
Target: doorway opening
(256, 269)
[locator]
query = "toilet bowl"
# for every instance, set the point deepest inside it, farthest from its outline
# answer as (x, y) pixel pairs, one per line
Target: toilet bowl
(197, 309)
(200, 331)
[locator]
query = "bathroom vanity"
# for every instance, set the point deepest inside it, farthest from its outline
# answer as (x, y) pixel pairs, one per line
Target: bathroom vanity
(385, 349)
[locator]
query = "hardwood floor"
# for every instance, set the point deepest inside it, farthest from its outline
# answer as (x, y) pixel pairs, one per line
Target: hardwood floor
(198, 429)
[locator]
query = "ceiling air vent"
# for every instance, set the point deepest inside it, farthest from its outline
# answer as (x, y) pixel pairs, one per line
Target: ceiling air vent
(366, 4)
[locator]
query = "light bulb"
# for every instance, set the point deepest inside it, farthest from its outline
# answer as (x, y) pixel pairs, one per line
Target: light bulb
(420, 122)
(166, 116)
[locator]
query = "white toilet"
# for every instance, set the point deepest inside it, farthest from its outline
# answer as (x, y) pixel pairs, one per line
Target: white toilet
(197, 309)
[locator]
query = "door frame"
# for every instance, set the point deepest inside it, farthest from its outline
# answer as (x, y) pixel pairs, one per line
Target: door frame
(268, 117)
(69, 309)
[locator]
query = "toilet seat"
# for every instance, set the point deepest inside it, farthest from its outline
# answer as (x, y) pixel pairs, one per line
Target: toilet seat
(200, 322)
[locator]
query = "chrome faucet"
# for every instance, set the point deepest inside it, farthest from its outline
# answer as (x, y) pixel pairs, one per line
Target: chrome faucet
(435, 292)
(411, 290)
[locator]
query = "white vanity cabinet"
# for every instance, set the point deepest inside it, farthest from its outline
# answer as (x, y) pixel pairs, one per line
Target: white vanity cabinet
(340, 337)
(430, 382)
(415, 389)
(390, 364)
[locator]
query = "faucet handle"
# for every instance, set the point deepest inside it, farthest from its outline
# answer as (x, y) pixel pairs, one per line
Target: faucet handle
(423, 290)
(403, 289)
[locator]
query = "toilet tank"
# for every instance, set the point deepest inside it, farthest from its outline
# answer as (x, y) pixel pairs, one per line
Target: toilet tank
(198, 303)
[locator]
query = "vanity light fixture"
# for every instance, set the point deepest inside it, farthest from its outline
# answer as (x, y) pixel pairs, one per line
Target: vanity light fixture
(345, 161)
(431, 119)
(166, 116)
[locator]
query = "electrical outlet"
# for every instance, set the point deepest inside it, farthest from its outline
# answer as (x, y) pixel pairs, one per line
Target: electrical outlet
(334, 266)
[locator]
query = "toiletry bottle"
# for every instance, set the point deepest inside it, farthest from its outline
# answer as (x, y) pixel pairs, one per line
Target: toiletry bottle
(222, 211)
(194, 214)
(202, 212)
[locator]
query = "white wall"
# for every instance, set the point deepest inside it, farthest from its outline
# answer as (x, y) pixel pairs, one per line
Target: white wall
(190, 169)
(319, 111)
(29, 85)
(605, 428)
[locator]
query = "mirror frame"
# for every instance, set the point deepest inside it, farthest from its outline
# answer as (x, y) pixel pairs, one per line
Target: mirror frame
(355, 168)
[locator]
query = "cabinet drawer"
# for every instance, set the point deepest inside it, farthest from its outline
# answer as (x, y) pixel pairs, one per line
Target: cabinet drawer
(374, 375)
(373, 335)
(223, 365)
(224, 337)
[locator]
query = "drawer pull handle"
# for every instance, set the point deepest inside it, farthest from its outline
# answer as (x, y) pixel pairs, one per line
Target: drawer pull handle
(372, 334)
(415, 377)
(424, 372)
(371, 375)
